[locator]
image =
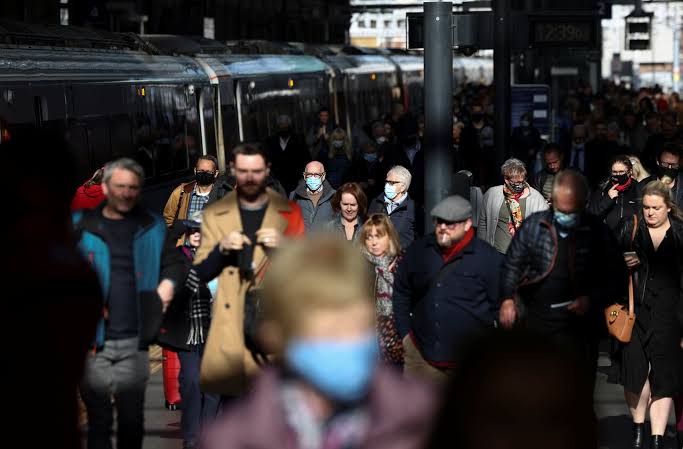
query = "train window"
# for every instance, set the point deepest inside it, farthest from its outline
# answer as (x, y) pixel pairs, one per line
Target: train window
(121, 137)
(99, 140)
(77, 139)
(89, 98)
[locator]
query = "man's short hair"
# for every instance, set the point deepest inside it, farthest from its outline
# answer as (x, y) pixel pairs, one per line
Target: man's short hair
(552, 148)
(249, 149)
(324, 109)
(403, 174)
(577, 183)
(208, 157)
(123, 163)
(671, 148)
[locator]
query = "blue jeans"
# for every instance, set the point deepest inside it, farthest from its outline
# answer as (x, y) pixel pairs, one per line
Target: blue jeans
(198, 408)
(119, 369)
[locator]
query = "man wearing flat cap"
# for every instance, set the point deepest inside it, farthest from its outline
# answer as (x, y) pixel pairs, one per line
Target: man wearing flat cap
(445, 291)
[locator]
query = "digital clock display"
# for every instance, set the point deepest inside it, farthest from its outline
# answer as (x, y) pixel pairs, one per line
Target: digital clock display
(564, 32)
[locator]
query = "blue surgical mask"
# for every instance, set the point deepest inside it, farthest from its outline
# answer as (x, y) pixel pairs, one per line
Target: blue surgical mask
(381, 140)
(338, 144)
(524, 123)
(566, 221)
(341, 370)
(313, 183)
(370, 157)
(390, 191)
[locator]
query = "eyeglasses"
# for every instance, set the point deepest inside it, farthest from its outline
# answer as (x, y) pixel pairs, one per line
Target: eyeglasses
(392, 182)
(619, 173)
(314, 175)
(205, 171)
(449, 224)
(666, 165)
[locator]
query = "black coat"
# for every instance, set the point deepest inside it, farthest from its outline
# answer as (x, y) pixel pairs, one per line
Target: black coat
(403, 218)
(175, 328)
(611, 211)
(462, 303)
(599, 267)
(287, 166)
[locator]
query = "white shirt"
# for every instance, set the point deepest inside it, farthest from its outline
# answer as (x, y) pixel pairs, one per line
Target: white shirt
(283, 143)
(392, 206)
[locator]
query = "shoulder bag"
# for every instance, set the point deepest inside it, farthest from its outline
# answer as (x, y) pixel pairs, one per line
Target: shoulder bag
(620, 320)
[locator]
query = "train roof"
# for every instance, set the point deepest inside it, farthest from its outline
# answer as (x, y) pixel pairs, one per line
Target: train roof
(56, 64)
(170, 44)
(408, 63)
(27, 34)
(250, 65)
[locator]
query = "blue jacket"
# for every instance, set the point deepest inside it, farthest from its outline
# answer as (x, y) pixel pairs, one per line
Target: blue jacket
(153, 260)
(403, 218)
(462, 303)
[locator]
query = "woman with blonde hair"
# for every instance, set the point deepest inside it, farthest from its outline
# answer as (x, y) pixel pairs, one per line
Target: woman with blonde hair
(337, 157)
(327, 389)
(651, 371)
(639, 172)
(382, 249)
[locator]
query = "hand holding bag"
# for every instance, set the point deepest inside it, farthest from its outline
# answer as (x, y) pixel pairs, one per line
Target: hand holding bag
(620, 320)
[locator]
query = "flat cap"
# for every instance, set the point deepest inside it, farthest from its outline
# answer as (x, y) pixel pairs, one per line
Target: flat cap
(453, 208)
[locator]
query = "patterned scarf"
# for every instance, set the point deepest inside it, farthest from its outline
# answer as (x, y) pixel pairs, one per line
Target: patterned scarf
(512, 200)
(200, 306)
(384, 283)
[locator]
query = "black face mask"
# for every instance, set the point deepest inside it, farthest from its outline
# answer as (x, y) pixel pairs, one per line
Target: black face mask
(204, 178)
(665, 171)
(619, 179)
(477, 117)
(284, 133)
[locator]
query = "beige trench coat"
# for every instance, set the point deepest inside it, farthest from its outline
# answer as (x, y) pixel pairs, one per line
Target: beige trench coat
(227, 365)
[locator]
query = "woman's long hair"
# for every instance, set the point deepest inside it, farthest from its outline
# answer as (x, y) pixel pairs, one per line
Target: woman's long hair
(639, 172)
(658, 188)
(384, 227)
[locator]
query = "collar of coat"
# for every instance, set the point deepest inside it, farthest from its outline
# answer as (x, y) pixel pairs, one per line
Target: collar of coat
(228, 218)
(92, 219)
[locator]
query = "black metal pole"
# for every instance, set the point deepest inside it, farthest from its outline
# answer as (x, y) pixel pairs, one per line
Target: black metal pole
(501, 78)
(438, 99)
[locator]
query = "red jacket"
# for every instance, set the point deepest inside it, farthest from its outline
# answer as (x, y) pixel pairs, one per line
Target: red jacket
(87, 197)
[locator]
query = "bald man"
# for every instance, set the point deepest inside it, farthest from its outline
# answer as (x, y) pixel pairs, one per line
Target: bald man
(314, 196)
(561, 267)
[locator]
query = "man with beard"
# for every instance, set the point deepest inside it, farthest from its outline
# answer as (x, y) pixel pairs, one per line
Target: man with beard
(553, 163)
(191, 197)
(668, 170)
(239, 233)
(444, 291)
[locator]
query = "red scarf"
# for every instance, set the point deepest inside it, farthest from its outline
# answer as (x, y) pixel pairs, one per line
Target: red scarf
(621, 188)
(451, 252)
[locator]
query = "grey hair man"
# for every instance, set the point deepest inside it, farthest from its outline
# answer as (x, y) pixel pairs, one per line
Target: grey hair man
(507, 205)
(397, 204)
(136, 260)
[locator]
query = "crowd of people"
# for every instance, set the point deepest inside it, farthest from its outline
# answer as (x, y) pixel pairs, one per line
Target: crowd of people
(310, 302)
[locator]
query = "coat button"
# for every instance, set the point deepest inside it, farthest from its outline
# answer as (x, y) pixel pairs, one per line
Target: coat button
(231, 271)
(227, 306)
(438, 284)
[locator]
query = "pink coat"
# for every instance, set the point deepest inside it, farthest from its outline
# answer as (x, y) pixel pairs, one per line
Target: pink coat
(401, 413)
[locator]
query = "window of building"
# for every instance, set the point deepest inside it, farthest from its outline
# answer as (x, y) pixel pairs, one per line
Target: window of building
(361, 24)
(387, 23)
(373, 24)
(401, 23)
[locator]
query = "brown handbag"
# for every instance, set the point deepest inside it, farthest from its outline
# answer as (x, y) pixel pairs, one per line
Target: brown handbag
(620, 320)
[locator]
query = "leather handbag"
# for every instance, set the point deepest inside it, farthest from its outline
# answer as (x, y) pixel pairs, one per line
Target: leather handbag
(620, 320)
